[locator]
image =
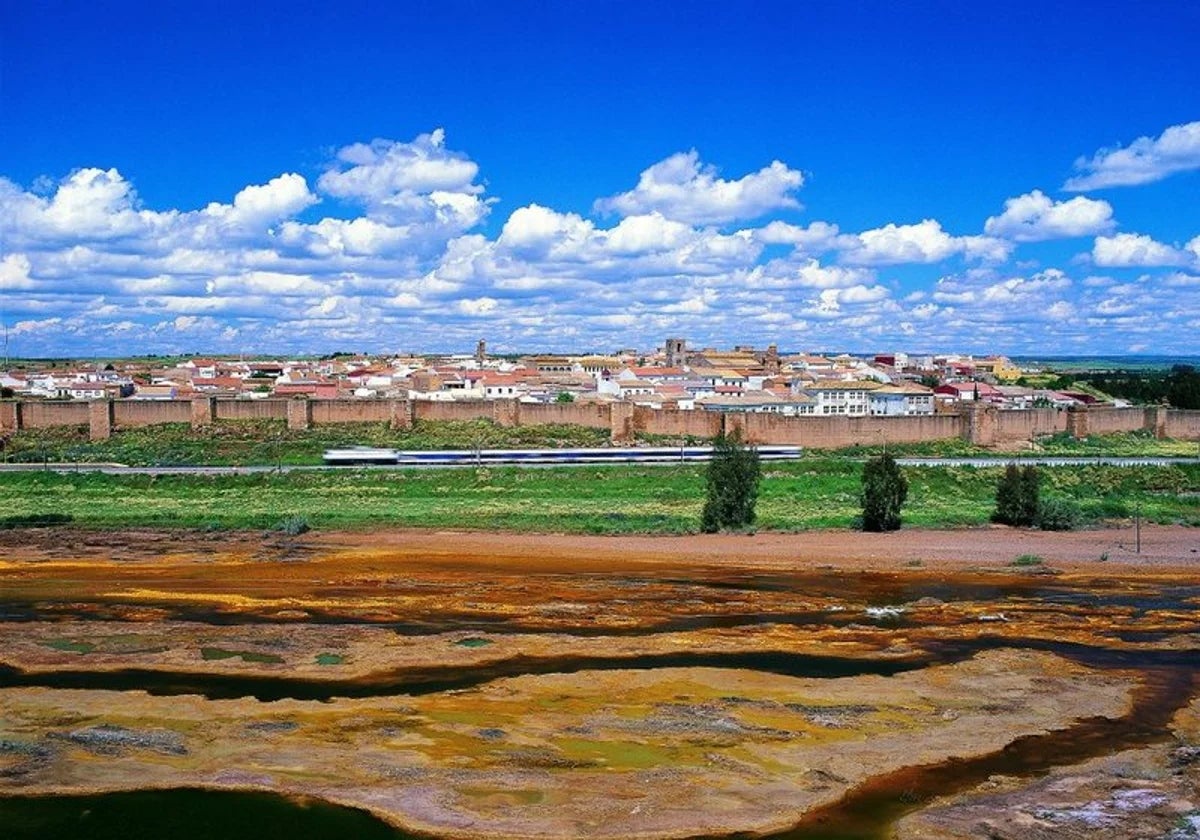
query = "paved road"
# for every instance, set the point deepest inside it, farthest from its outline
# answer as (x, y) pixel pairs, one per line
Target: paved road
(120, 469)
(1049, 461)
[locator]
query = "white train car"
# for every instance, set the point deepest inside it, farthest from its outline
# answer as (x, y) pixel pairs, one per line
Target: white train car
(365, 455)
(360, 455)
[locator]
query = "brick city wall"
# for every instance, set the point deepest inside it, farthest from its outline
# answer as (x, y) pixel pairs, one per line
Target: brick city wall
(351, 411)
(981, 424)
(1107, 421)
(592, 415)
(838, 432)
(130, 413)
(1013, 426)
(251, 410)
(1182, 425)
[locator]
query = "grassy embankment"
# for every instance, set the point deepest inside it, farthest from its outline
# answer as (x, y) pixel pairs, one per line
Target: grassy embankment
(271, 442)
(815, 492)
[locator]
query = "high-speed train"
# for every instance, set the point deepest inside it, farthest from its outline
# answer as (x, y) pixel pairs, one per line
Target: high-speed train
(365, 455)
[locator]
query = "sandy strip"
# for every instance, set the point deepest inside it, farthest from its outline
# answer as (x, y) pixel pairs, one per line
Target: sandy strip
(1164, 549)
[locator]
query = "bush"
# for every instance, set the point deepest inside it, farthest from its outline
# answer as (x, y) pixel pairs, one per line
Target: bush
(884, 490)
(34, 520)
(1059, 515)
(293, 526)
(732, 485)
(1028, 560)
(1017, 494)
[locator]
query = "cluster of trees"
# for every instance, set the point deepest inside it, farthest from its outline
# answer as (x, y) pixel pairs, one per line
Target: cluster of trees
(734, 472)
(1180, 386)
(1019, 502)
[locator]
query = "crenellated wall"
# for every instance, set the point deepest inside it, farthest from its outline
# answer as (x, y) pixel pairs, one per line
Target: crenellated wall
(466, 410)
(980, 424)
(252, 409)
(130, 413)
(1182, 425)
(592, 415)
(1014, 426)
(671, 422)
(41, 415)
(838, 432)
(351, 411)
(1107, 421)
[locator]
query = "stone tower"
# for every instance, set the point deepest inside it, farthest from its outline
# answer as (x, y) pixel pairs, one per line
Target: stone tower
(676, 352)
(480, 352)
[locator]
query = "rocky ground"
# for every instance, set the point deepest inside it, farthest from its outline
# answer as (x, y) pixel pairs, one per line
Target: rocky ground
(468, 684)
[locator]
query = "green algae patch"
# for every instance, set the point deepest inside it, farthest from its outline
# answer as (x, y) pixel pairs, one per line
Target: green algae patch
(331, 659)
(215, 653)
(69, 645)
(473, 642)
(623, 755)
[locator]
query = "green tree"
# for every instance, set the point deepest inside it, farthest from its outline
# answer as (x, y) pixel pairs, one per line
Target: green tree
(1183, 387)
(1017, 494)
(732, 485)
(1031, 488)
(565, 397)
(884, 490)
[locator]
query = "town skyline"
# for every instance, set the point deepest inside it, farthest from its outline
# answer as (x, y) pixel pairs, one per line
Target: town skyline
(861, 178)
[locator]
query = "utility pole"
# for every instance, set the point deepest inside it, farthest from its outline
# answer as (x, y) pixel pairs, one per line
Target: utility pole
(1137, 526)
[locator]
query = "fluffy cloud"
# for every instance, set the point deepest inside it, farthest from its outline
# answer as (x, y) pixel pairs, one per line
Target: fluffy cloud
(924, 242)
(816, 238)
(385, 250)
(257, 207)
(88, 205)
(1034, 217)
(406, 183)
(1132, 249)
(1143, 161)
(683, 189)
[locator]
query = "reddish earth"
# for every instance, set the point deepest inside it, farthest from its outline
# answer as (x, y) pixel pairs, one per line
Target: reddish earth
(552, 740)
(1163, 548)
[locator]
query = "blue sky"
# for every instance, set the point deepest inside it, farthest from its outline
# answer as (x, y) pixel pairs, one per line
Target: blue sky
(228, 177)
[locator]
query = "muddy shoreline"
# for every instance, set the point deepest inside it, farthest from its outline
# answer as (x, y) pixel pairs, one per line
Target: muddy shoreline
(481, 685)
(1167, 548)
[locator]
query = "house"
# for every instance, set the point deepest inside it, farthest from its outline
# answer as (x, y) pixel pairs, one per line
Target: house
(167, 391)
(957, 392)
(842, 397)
(901, 400)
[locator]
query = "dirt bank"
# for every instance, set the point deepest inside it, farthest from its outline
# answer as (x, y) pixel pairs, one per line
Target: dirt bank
(1163, 548)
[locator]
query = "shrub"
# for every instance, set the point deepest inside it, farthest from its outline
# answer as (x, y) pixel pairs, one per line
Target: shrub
(1017, 494)
(34, 520)
(293, 526)
(1028, 560)
(1059, 515)
(884, 490)
(732, 485)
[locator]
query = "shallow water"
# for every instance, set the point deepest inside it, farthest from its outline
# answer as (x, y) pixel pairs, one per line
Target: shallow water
(864, 814)
(186, 815)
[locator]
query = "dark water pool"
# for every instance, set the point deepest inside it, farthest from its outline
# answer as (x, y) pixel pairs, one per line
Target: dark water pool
(185, 815)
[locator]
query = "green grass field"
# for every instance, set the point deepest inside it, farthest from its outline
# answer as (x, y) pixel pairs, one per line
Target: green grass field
(811, 493)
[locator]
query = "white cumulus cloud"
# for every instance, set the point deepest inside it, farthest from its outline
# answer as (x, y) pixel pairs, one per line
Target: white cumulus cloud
(1034, 217)
(683, 189)
(1133, 249)
(258, 206)
(1143, 161)
(924, 242)
(420, 181)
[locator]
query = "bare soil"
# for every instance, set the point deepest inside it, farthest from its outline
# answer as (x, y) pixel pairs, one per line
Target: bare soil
(1163, 548)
